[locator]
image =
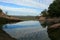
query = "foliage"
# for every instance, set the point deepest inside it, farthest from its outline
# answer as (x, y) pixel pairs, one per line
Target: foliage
(0, 10)
(54, 9)
(44, 13)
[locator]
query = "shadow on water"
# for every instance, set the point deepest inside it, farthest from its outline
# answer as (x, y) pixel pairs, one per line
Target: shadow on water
(53, 33)
(4, 35)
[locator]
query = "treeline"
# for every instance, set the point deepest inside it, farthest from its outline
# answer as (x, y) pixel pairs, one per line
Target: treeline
(27, 17)
(53, 10)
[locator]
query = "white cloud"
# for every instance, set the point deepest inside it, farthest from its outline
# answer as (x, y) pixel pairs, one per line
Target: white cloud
(30, 3)
(19, 9)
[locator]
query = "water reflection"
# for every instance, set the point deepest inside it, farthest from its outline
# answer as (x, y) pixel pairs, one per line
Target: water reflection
(24, 24)
(27, 30)
(54, 34)
(4, 35)
(30, 30)
(1, 26)
(53, 30)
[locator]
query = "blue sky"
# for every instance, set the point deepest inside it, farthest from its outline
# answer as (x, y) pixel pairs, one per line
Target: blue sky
(24, 7)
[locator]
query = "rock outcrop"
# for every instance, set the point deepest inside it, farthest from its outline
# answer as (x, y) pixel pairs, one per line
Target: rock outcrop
(53, 27)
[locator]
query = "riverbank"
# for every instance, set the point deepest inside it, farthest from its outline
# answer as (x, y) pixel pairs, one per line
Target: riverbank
(53, 27)
(5, 36)
(49, 21)
(4, 19)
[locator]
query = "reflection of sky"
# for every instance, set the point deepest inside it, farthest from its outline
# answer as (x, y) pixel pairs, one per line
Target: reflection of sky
(24, 7)
(24, 24)
(22, 28)
(27, 23)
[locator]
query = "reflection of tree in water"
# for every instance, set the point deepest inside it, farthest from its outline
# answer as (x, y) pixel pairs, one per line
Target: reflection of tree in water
(53, 30)
(54, 34)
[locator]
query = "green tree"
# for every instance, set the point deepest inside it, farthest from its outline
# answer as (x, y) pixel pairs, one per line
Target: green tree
(44, 13)
(54, 9)
(0, 10)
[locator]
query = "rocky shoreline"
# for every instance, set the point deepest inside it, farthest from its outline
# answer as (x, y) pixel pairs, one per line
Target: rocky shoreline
(5, 36)
(5, 19)
(53, 27)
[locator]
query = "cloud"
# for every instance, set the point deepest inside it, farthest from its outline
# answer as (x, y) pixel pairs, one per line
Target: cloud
(29, 6)
(17, 9)
(44, 2)
(24, 10)
(30, 3)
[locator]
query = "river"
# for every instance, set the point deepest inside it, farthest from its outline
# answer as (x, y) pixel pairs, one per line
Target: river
(27, 30)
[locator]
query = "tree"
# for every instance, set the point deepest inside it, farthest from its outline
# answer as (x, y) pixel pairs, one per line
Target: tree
(54, 9)
(0, 10)
(44, 13)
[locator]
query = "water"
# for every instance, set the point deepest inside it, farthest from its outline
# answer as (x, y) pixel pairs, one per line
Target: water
(26, 30)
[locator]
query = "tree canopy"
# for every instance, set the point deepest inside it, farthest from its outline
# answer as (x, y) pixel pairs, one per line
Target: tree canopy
(44, 13)
(0, 10)
(53, 9)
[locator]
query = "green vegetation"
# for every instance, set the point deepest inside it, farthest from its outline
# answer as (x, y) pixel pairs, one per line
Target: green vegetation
(53, 10)
(44, 13)
(26, 18)
(0, 10)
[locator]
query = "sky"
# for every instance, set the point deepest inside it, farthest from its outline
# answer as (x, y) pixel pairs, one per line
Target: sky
(24, 7)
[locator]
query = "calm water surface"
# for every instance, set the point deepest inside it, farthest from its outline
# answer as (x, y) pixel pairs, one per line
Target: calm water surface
(26, 30)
